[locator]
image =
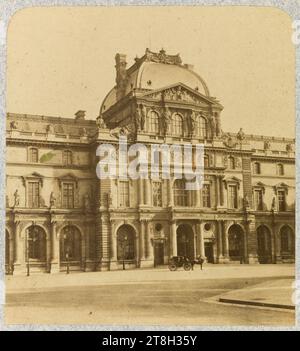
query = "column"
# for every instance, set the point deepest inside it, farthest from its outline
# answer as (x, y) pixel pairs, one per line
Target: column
(173, 239)
(11, 252)
(217, 187)
(142, 241)
(83, 248)
(201, 240)
(55, 248)
(221, 191)
(113, 242)
(170, 193)
(220, 242)
(197, 198)
(149, 244)
(48, 253)
(225, 243)
(147, 191)
(141, 191)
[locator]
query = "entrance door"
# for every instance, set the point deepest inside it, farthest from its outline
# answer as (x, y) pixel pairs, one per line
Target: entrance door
(158, 253)
(264, 246)
(185, 241)
(209, 252)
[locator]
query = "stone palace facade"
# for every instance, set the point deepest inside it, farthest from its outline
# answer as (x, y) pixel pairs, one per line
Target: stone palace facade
(59, 214)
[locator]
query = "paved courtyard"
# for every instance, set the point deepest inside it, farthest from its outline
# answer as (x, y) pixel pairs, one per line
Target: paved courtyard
(152, 297)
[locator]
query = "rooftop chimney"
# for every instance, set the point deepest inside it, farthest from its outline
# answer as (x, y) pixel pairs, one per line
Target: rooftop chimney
(80, 115)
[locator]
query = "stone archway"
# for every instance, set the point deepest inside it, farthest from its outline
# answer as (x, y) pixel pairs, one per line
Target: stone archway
(70, 246)
(35, 248)
(236, 241)
(185, 241)
(126, 243)
(264, 244)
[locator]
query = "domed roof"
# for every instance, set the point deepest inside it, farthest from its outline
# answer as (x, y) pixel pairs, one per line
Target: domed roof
(152, 75)
(154, 71)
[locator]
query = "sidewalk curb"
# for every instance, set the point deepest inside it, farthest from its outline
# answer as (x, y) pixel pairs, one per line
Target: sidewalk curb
(256, 303)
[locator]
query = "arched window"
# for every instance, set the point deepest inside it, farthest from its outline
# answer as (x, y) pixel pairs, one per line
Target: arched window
(202, 127)
(177, 124)
(231, 162)
(33, 155)
(256, 168)
(153, 122)
(36, 243)
(287, 245)
(180, 193)
(280, 169)
(67, 157)
(70, 244)
(125, 243)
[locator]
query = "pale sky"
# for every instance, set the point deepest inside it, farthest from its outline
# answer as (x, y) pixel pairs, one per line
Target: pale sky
(61, 59)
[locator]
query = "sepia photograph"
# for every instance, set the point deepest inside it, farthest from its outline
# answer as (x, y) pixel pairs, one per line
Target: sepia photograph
(150, 167)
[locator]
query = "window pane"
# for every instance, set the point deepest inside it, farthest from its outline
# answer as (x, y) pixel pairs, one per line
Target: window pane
(206, 195)
(68, 195)
(33, 194)
(232, 196)
(124, 194)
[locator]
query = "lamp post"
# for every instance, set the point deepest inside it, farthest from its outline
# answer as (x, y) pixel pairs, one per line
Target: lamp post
(67, 250)
(124, 242)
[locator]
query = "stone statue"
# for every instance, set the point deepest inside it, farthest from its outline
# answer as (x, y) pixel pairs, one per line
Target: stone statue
(289, 148)
(100, 122)
(246, 201)
(166, 120)
(192, 122)
(16, 198)
(13, 125)
(52, 199)
(267, 145)
(273, 205)
(50, 129)
(240, 135)
(212, 126)
(139, 119)
(83, 132)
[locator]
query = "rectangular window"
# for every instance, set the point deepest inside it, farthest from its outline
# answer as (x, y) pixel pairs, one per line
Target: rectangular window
(258, 199)
(34, 194)
(33, 155)
(156, 194)
(232, 196)
(281, 200)
(124, 194)
(206, 195)
(68, 195)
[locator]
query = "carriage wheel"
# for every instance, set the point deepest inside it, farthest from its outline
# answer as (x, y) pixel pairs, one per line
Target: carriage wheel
(172, 267)
(187, 266)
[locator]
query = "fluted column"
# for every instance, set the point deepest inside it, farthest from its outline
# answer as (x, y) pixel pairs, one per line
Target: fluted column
(173, 239)
(197, 198)
(221, 191)
(149, 245)
(201, 241)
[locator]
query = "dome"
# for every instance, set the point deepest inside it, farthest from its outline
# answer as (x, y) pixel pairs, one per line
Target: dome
(152, 75)
(151, 72)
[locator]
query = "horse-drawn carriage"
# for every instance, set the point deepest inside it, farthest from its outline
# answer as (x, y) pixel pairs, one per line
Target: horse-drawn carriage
(176, 262)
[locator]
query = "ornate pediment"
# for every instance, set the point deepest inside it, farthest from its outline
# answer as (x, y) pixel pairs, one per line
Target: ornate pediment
(180, 93)
(68, 178)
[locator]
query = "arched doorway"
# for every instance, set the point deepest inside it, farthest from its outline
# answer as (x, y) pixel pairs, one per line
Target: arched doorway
(287, 243)
(264, 244)
(185, 241)
(70, 246)
(7, 254)
(126, 243)
(236, 243)
(35, 249)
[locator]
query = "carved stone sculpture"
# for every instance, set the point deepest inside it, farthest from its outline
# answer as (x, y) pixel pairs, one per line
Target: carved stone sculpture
(52, 199)
(240, 135)
(16, 198)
